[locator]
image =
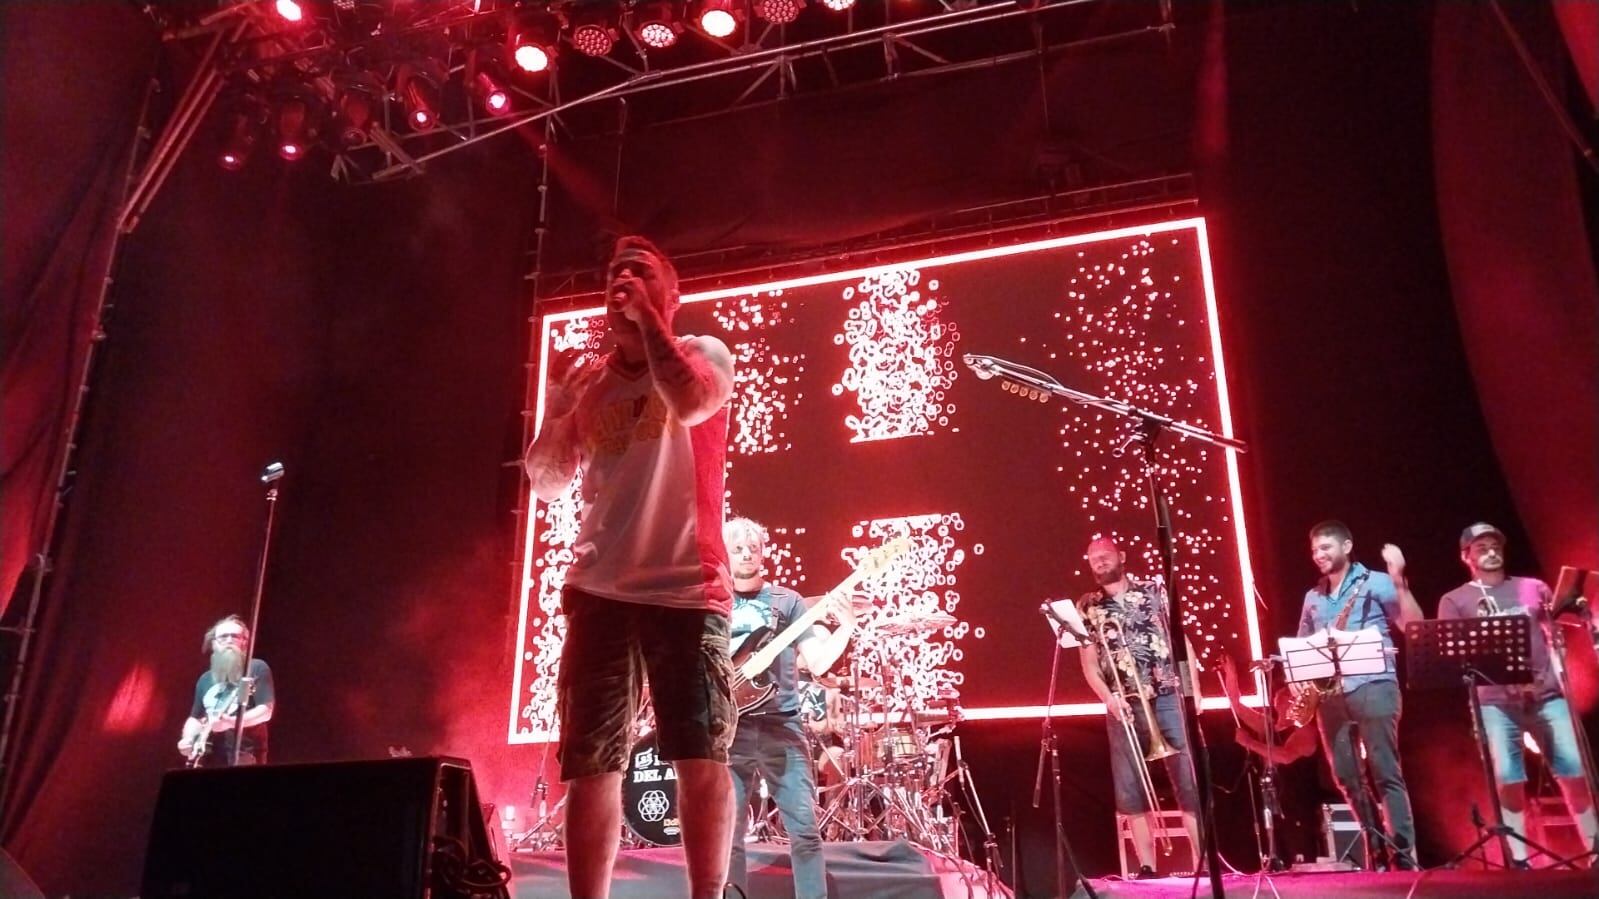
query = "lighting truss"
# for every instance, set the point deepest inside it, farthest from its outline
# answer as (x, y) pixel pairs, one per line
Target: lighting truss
(247, 45)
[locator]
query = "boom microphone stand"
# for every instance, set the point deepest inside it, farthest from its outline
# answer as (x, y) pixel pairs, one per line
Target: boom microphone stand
(270, 477)
(1149, 426)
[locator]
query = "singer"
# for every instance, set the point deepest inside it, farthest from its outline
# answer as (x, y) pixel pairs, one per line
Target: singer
(1538, 709)
(649, 590)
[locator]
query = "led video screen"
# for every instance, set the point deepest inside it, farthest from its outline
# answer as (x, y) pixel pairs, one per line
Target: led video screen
(854, 421)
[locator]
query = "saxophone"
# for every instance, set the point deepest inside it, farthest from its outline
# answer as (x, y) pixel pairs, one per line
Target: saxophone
(1302, 710)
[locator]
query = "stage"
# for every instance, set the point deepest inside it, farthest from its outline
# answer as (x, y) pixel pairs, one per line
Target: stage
(896, 870)
(1544, 884)
(900, 870)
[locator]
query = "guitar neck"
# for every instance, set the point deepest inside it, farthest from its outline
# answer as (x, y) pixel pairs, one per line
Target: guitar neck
(767, 654)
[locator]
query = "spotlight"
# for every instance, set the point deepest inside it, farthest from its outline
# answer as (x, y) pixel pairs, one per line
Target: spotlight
(294, 129)
(354, 113)
(779, 12)
(531, 57)
(592, 28)
(719, 18)
(243, 123)
(419, 91)
(532, 44)
(655, 25)
(593, 39)
(838, 5)
(289, 11)
(485, 74)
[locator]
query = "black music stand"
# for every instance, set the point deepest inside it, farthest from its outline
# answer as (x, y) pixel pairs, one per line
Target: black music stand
(1489, 651)
(1331, 654)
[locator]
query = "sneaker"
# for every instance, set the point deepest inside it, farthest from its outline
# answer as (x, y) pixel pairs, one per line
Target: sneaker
(1145, 872)
(1520, 864)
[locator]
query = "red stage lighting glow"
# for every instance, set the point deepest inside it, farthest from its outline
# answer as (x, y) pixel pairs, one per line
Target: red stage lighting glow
(719, 18)
(289, 10)
(495, 99)
(293, 128)
(658, 35)
(531, 58)
(853, 370)
(593, 39)
(779, 12)
(838, 5)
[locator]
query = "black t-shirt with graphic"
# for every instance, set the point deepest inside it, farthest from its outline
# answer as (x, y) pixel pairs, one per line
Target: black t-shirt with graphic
(212, 698)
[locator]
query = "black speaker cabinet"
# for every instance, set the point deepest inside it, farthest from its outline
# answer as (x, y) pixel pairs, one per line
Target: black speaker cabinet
(391, 828)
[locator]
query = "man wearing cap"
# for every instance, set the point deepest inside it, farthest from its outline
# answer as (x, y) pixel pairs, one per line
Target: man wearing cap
(1509, 712)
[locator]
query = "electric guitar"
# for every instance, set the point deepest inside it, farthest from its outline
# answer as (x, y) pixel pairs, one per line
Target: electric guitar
(225, 705)
(753, 684)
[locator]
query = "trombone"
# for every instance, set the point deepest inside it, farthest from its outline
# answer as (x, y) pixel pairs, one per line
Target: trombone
(1158, 747)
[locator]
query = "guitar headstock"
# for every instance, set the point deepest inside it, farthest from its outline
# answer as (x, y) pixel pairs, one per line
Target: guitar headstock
(877, 559)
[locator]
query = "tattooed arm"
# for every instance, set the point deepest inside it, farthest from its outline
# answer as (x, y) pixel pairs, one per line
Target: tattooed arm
(694, 377)
(552, 459)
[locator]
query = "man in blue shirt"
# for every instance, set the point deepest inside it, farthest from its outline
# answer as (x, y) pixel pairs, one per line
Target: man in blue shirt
(1364, 709)
(770, 742)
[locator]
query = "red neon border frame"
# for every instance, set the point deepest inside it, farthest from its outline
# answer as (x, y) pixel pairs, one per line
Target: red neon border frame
(987, 713)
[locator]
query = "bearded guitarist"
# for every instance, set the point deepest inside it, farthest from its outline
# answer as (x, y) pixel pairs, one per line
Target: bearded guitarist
(770, 742)
(1363, 710)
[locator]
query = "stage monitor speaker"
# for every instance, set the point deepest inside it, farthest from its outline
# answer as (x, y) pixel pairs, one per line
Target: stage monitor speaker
(396, 828)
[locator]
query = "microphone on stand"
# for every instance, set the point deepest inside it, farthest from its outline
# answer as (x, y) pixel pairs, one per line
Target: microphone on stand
(272, 472)
(981, 366)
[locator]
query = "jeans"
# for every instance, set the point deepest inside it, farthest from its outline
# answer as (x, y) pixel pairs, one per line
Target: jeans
(1370, 715)
(1130, 798)
(774, 747)
(1549, 722)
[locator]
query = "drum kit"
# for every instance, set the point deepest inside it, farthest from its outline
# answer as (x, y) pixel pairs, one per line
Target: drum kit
(883, 760)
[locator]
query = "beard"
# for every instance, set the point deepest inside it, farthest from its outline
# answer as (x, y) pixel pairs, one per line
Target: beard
(227, 665)
(1108, 576)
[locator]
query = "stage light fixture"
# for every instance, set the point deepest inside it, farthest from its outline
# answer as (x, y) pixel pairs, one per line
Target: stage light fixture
(719, 18)
(295, 132)
(779, 12)
(353, 115)
(656, 24)
(419, 92)
(592, 27)
(243, 124)
(485, 76)
(532, 43)
(289, 10)
(838, 5)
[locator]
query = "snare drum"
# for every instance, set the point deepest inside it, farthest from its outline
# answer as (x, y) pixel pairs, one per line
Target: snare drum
(649, 795)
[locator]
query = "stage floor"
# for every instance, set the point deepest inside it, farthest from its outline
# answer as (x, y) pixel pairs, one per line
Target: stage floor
(900, 870)
(895, 870)
(1544, 884)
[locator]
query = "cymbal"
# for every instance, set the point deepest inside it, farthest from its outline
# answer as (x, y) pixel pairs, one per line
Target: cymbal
(906, 623)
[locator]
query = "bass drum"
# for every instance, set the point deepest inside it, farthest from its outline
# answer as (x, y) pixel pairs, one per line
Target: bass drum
(649, 796)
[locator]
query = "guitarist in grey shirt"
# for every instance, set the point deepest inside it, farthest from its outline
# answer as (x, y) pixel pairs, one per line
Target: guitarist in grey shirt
(770, 742)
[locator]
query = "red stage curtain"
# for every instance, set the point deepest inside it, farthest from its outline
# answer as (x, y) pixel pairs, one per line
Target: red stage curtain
(1521, 270)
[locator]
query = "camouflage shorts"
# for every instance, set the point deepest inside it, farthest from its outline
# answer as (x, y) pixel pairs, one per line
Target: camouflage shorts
(610, 648)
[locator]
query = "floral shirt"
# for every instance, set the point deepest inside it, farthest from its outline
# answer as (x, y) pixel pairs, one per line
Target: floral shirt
(1133, 619)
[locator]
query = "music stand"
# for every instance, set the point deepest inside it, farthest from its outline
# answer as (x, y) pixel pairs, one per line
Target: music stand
(1332, 653)
(1489, 651)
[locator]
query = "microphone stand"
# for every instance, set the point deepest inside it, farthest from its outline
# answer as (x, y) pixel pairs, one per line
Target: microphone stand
(1048, 747)
(269, 477)
(1039, 385)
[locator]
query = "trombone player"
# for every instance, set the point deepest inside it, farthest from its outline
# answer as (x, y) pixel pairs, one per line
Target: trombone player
(1128, 663)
